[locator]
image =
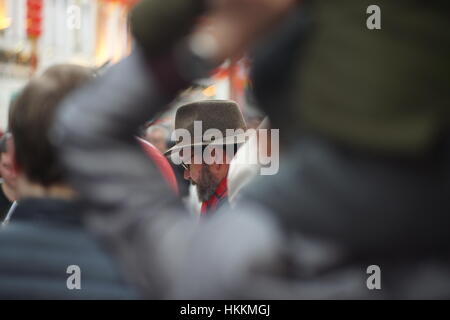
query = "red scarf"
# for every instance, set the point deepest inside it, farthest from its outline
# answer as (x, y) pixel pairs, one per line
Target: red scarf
(218, 196)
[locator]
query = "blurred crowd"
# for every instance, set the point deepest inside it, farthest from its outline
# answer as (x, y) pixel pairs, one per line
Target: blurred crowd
(352, 149)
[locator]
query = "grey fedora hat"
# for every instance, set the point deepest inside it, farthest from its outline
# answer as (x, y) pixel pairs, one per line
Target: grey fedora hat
(222, 115)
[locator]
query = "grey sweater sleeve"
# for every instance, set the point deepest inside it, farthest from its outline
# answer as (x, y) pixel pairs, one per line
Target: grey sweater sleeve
(130, 205)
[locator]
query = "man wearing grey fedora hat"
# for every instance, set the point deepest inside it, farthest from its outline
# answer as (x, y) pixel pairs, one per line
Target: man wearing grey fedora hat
(208, 133)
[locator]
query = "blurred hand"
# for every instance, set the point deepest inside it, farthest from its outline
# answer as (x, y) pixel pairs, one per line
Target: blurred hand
(231, 26)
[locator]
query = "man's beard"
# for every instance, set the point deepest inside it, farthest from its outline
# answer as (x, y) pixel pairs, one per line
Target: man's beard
(207, 184)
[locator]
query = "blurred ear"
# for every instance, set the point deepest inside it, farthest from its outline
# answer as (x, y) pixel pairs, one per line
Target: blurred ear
(11, 151)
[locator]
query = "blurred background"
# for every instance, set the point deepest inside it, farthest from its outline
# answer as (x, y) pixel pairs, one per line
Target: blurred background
(35, 34)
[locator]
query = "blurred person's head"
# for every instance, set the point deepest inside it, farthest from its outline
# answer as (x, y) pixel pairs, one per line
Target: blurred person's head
(208, 133)
(158, 136)
(6, 169)
(30, 119)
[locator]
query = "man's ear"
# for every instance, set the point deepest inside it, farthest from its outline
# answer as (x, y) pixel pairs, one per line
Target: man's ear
(11, 151)
(221, 162)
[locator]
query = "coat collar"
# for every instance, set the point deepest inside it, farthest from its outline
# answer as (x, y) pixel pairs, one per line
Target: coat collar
(49, 211)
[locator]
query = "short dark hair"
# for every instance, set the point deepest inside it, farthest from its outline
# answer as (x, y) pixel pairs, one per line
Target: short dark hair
(31, 117)
(3, 144)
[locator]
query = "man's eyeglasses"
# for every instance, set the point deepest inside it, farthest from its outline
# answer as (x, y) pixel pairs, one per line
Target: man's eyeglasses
(185, 166)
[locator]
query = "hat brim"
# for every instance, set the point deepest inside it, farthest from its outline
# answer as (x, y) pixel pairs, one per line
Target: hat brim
(174, 152)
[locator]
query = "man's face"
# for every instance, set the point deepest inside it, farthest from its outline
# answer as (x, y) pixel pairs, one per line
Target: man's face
(200, 176)
(7, 170)
(207, 173)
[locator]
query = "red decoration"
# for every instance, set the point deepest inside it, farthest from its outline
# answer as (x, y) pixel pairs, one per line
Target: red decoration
(34, 18)
(128, 3)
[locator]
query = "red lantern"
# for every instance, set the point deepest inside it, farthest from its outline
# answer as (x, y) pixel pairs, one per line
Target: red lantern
(34, 18)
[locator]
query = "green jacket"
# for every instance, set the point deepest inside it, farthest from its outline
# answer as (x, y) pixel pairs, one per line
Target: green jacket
(385, 90)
